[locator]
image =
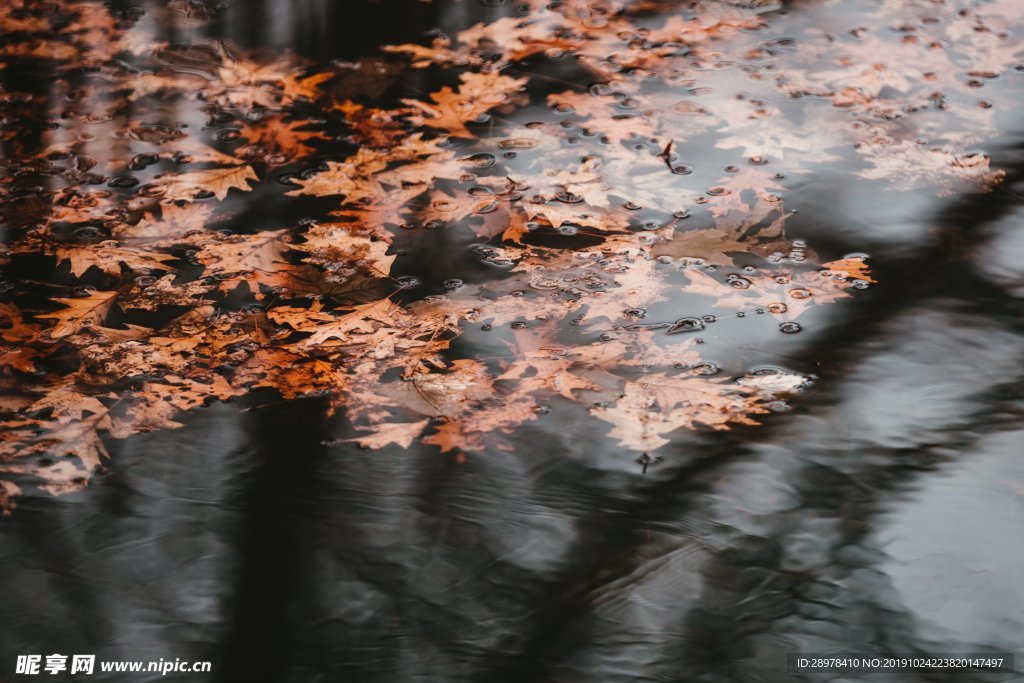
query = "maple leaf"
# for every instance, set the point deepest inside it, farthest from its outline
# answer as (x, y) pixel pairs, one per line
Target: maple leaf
(280, 141)
(451, 110)
(345, 179)
(22, 359)
(301, 319)
(216, 181)
(538, 371)
(910, 166)
(375, 128)
(710, 245)
(303, 88)
(350, 244)
(606, 114)
(422, 55)
(164, 291)
(110, 259)
(76, 412)
(243, 255)
(651, 408)
(14, 328)
(173, 223)
(363, 319)
(183, 393)
(79, 312)
(291, 375)
(401, 433)
(774, 384)
(852, 267)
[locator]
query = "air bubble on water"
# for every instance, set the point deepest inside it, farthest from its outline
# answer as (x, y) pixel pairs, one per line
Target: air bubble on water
(861, 284)
(228, 135)
(518, 143)
(482, 160)
(452, 284)
(87, 233)
(789, 328)
(635, 313)
(143, 160)
(800, 293)
(544, 283)
(687, 108)
(568, 229)
(776, 308)
(682, 169)
(686, 325)
(518, 325)
(719, 191)
(485, 207)
(706, 368)
(757, 160)
(969, 159)
(407, 282)
(738, 282)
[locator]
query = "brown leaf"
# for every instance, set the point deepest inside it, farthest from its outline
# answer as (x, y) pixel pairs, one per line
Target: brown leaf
(79, 312)
(217, 181)
(709, 244)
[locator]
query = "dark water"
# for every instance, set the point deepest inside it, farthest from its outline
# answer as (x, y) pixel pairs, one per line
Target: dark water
(882, 513)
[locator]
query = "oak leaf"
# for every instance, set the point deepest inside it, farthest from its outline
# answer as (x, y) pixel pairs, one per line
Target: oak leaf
(217, 181)
(79, 312)
(711, 245)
